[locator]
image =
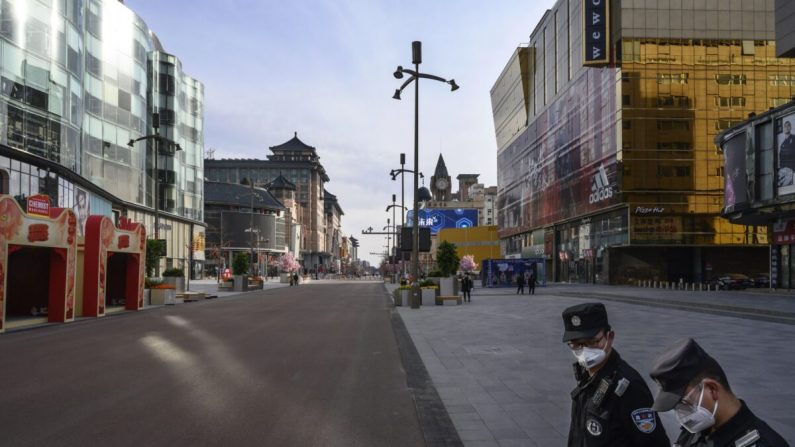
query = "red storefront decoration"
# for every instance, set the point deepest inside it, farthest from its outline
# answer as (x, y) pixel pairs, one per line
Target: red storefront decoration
(102, 242)
(39, 205)
(56, 232)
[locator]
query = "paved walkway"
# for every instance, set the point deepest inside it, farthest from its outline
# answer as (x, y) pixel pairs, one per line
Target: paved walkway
(504, 375)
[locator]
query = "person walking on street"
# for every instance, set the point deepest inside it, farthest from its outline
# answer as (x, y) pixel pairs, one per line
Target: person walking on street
(531, 282)
(466, 288)
(295, 278)
(611, 405)
(520, 284)
(693, 384)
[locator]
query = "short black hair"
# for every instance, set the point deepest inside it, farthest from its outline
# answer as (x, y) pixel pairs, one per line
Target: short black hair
(714, 372)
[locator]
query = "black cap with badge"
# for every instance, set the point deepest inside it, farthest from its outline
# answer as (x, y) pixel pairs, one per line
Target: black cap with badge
(584, 321)
(675, 368)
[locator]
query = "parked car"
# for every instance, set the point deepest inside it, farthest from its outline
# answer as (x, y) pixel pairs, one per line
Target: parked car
(731, 281)
(761, 281)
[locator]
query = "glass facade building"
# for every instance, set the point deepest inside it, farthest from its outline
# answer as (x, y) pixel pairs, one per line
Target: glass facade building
(614, 176)
(80, 79)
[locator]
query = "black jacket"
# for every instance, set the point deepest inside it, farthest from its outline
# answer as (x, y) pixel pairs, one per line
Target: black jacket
(609, 411)
(744, 429)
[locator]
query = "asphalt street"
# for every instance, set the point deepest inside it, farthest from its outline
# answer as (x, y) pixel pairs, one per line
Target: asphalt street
(314, 365)
(504, 375)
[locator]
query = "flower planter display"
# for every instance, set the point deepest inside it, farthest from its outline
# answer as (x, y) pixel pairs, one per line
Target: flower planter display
(160, 297)
(177, 281)
(50, 228)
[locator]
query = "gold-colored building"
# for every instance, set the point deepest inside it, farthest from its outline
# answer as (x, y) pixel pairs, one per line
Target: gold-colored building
(480, 242)
(615, 176)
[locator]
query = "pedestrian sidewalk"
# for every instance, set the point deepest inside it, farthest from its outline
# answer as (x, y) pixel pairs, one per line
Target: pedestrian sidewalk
(504, 376)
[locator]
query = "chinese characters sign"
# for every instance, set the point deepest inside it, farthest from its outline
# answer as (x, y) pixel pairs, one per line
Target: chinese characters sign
(437, 219)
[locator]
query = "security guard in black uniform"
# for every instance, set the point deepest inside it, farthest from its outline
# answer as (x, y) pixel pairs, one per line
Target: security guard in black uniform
(694, 385)
(611, 405)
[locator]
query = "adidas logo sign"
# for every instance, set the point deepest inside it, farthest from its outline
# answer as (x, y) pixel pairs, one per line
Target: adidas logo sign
(600, 189)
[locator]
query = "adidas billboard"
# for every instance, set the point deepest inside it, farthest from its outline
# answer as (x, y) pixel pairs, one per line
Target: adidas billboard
(600, 187)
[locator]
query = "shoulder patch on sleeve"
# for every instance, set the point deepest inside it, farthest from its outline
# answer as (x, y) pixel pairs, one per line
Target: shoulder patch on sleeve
(748, 439)
(644, 419)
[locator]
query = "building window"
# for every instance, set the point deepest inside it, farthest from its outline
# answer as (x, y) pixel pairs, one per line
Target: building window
(730, 101)
(723, 124)
(781, 80)
(674, 146)
(673, 125)
(730, 79)
(672, 78)
(776, 102)
(673, 101)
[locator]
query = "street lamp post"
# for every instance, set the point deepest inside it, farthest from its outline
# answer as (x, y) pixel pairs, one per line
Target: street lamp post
(416, 56)
(157, 140)
(394, 173)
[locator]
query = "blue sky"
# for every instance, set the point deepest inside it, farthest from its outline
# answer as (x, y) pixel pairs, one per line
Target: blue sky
(324, 68)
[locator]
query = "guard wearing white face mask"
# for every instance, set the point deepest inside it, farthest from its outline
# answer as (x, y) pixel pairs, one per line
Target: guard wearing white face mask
(611, 405)
(694, 385)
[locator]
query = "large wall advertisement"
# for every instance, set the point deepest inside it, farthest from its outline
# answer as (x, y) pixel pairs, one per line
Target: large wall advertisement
(564, 165)
(437, 219)
(785, 145)
(735, 187)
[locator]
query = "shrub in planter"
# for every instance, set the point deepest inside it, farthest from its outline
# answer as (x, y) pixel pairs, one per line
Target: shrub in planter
(174, 273)
(154, 250)
(446, 258)
(240, 264)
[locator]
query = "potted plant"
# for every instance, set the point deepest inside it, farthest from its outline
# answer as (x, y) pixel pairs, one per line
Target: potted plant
(447, 261)
(176, 277)
(154, 250)
(161, 293)
(429, 292)
(240, 266)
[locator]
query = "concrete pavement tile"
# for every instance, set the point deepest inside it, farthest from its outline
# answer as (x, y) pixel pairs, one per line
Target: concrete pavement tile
(526, 442)
(460, 409)
(506, 397)
(481, 444)
(476, 435)
(508, 433)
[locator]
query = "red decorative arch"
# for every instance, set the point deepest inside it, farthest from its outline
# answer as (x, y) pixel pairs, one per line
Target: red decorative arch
(103, 240)
(58, 232)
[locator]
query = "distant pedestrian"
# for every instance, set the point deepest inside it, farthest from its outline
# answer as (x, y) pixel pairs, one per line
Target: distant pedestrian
(531, 282)
(295, 278)
(520, 284)
(610, 405)
(466, 287)
(694, 385)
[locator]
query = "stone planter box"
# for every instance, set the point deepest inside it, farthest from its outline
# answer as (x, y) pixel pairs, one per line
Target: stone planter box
(255, 284)
(176, 281)
(160, 297)
(402, 297)
(147, 300)
(284, 278)
(449, 286)
(241, 283)
(429, 297)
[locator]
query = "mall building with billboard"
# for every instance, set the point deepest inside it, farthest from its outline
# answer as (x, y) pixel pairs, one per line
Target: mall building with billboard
(80, 80)
(605, 125)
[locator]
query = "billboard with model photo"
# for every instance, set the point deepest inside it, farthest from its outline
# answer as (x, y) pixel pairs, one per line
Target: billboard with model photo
(785, 148)
(735, 190)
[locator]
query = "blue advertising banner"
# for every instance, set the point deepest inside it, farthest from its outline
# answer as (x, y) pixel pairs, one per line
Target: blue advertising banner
(436, 219)
(503, 272)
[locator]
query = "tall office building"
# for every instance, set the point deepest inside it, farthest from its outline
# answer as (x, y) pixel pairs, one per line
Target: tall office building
(80, 79)
(605, 123)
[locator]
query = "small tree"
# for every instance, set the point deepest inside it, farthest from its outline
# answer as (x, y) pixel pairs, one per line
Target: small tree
(154, 250)
(467, 263)
(288, 263)
(240, 264)
(446, 258)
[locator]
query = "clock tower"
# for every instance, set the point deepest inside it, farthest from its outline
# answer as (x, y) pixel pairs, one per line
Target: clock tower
(441, 185)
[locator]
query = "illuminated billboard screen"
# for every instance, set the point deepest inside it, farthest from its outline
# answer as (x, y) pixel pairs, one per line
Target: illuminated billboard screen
(437, 219)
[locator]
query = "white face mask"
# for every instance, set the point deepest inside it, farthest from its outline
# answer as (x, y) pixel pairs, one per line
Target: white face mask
(696, 419)
(589, 357)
